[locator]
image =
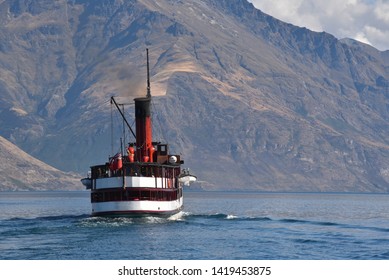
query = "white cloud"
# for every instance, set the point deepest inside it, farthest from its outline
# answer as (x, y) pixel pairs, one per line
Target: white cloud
(382, 11)
(363, 20)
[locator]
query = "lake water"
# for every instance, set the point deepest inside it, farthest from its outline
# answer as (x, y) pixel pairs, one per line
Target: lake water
(213, 225)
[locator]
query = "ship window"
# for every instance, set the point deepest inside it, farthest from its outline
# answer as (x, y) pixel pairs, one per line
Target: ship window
(132, 194)
(158, 172)
(143, 171)
(117, 196)
(162, 150)
(153, 195)
(145, 195)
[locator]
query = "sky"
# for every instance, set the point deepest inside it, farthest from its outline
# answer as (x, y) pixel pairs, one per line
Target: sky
(363, 20)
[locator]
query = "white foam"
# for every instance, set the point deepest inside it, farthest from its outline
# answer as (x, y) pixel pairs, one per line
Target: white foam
(231, 217)
(179, 216)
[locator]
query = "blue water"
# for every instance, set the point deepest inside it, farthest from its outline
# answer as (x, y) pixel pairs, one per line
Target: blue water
(213, 225)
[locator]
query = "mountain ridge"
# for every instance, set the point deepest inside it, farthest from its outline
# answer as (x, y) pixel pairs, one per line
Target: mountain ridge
(272, 106)
(20, 171)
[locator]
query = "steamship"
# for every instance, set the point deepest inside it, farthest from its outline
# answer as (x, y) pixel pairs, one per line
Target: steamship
(144, 180)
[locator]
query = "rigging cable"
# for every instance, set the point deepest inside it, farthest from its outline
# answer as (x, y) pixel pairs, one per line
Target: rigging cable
(112, 129)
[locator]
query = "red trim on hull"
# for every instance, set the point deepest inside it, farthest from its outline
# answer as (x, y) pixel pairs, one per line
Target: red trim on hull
(137, 213)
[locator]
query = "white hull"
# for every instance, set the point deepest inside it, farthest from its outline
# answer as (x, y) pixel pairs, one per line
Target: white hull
(136, 207)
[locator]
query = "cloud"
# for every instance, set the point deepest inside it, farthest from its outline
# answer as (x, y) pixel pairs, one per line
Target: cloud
(382, 11)
(363, 20)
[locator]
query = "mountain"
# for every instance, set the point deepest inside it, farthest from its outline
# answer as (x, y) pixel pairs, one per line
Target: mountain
(250, 101)
(20, 171)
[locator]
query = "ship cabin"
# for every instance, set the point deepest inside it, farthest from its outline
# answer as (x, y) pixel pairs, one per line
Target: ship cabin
(162, 166)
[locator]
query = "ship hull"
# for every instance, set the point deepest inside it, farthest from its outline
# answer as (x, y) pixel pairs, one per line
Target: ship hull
(137, 208)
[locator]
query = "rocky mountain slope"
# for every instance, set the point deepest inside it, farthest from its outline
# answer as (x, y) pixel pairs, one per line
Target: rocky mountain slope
(20, 171)
(250, 101)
